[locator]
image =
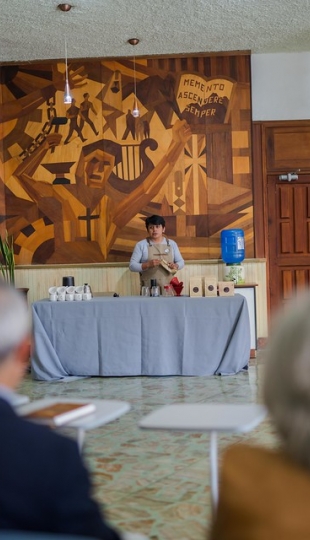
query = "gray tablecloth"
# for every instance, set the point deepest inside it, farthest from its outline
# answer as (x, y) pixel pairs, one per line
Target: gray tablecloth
(140, 336)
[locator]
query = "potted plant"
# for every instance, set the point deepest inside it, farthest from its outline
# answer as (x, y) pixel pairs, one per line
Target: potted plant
(7, 260)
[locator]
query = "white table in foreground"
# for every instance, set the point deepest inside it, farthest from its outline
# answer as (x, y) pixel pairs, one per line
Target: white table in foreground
(106, 411)
(18, 400)
(213, 418)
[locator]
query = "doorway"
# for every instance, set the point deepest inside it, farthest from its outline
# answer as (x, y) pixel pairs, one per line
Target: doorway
(288, 207)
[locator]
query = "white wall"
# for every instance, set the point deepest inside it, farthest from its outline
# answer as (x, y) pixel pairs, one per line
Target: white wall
(280, 86)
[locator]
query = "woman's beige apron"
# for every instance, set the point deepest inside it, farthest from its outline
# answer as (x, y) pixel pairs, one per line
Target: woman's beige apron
(162, 276)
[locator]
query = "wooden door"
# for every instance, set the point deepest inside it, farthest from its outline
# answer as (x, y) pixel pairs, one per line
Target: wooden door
(288, 238)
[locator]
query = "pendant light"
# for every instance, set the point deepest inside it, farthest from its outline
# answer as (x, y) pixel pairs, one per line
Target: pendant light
(116, 85)
(64, 7)
(67, 94)
(135, 110)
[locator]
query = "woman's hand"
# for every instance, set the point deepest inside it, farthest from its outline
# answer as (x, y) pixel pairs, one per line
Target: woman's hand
(173, 266)
(154, 262)
(151, 264)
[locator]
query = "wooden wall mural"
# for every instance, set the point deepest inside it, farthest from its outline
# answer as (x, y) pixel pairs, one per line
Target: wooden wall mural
(77, 182)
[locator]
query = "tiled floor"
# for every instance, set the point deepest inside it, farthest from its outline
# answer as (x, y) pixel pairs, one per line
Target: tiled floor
(157, 483)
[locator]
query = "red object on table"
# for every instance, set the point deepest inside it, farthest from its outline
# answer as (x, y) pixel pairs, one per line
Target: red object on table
(177, 285)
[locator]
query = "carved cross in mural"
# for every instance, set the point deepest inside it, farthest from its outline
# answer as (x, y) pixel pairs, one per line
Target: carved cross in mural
(88, 218)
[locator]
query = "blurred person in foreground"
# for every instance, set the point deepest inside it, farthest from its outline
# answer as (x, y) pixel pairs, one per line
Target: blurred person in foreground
(264, 494)
(44, 485)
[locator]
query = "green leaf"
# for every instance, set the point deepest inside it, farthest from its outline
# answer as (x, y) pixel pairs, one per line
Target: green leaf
(7, 264)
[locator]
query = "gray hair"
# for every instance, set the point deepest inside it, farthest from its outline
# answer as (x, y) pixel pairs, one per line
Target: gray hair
(287, 380)
(15, 322)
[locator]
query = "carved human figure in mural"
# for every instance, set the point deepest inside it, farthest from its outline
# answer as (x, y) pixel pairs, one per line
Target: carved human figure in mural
(130, 125)
(73, 113)
(146, 129)
(139, 128)
(65, 205)
(85, 107)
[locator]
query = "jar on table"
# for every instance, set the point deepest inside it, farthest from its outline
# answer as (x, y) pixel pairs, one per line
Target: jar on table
(168, 290)
(155, 291)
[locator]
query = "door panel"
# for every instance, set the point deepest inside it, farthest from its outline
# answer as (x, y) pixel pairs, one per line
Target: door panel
(288, 147)
(288, 238)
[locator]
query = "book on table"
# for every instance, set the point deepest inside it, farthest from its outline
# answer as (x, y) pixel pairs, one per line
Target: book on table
(60, 413)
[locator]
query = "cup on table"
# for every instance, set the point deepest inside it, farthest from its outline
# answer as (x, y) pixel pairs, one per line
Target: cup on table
(87, 296)
(168, 290)
(52, 293)
(70, 290)
(61, 294)
(78, 294)
(145, 291)
(69, 296)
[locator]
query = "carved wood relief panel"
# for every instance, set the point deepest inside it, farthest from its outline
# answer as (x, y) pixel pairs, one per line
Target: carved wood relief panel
(77, 182)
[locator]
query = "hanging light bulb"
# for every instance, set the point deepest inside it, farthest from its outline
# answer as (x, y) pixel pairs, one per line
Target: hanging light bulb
(135, 109)
(67, 94)
(116, 87)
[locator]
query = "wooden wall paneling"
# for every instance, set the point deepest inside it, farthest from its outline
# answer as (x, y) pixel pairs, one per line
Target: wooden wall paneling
(219, 155)
(260, 198)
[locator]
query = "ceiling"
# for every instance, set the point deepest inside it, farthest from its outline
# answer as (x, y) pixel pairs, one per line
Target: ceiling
(32, 30)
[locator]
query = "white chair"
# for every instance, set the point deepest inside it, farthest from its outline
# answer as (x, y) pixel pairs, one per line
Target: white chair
(212, 418)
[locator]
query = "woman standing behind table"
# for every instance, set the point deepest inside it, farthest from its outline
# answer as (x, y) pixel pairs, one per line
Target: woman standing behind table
(156, 257)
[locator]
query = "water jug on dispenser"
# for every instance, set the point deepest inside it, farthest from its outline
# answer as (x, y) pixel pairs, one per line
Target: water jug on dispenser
(232, 245)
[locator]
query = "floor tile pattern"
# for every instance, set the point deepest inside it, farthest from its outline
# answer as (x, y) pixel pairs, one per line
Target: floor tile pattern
(156, 483)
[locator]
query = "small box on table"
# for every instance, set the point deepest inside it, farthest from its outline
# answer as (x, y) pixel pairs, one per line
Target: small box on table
(210, 286)
(195, 286)
(226, 288)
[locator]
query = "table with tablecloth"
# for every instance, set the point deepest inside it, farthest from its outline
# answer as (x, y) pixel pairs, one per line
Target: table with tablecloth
(134, 336)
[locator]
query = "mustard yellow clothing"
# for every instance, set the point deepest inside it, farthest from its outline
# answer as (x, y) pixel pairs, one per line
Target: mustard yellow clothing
(264, 495)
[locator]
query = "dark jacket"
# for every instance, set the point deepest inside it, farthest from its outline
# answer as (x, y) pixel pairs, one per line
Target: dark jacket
(44, 485)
